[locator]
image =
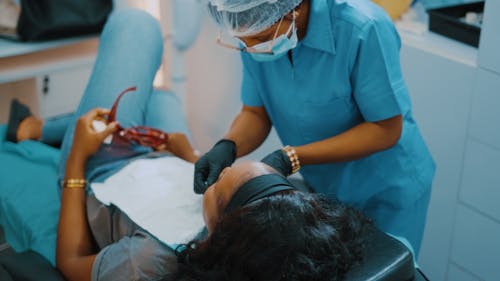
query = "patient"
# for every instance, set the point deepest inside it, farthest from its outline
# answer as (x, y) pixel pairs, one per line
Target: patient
(314, 239)
(258, 226)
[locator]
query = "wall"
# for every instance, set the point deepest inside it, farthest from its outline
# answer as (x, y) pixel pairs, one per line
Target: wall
(476, 236)
(441, 90)
(213, 90)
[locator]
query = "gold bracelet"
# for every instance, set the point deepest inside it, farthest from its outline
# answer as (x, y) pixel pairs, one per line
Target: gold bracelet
(294, 158)
(75, 183)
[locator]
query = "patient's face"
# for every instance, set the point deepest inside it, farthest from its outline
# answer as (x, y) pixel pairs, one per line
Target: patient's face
(230, 179)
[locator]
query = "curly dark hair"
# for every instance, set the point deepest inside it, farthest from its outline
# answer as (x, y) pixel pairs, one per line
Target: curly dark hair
(287, 236)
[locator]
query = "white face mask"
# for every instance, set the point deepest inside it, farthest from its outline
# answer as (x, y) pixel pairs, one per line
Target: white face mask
(281, 46)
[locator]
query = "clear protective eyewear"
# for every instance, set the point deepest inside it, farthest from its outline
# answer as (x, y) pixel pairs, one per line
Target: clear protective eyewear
(269, 50)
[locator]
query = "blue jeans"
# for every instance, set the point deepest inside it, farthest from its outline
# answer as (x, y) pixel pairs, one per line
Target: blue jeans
(54, 129)
(129, 54)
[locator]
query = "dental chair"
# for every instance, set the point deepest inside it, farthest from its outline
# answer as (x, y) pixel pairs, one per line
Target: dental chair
(385, 259)
(29, 206)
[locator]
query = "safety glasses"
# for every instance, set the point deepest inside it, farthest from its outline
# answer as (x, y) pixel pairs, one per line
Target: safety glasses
(140, 135)
(269, 50)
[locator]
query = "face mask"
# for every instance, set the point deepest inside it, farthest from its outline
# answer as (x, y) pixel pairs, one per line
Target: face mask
(282, 45)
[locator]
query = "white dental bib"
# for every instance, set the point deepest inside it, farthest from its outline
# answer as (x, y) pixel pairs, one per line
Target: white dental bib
(157, 194)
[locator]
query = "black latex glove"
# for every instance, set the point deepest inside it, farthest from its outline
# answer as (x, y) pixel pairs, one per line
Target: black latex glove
(209, 166)
(279, 161)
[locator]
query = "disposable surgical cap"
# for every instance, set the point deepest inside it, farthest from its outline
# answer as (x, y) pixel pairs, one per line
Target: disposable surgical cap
(248, 17)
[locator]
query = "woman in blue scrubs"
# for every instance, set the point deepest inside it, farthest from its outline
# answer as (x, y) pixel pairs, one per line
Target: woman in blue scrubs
(326, 74)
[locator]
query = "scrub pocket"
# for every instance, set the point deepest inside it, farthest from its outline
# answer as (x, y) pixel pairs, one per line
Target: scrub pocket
(321, 120)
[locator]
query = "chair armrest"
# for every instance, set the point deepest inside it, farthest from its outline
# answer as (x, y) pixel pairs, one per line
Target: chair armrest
(384, 259)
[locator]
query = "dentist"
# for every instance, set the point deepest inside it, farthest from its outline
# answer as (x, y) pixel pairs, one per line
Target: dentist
(326, 74)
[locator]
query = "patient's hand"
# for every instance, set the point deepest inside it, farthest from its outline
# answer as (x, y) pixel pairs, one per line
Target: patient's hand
(179, 145)
(87, 140)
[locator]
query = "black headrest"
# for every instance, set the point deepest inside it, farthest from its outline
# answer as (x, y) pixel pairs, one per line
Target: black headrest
(384, 259)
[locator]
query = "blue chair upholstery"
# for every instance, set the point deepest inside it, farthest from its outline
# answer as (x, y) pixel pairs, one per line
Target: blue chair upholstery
(29, 201)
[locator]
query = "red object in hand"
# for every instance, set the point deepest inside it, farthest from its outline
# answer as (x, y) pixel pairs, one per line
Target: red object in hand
(142, 135)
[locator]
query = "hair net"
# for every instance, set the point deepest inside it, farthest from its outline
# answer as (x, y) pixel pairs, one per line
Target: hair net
(248, 17)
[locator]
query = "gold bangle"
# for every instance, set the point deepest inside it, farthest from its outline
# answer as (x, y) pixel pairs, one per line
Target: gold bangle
(294, 158)
(75, 186)
(75, 183)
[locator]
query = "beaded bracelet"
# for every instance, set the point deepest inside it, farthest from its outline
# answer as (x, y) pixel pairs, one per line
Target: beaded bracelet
(294, 158)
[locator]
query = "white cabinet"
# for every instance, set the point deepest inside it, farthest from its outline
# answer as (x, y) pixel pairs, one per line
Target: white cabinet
(485, 115)
(481, 180)
(480, 186)
(476, 244)
(456, 273)
(49, 78)
(489, 54)
(60, 92)
(441, 90)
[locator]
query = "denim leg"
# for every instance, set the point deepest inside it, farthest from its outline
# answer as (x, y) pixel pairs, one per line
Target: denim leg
(54, 129)
(165, 113)
(129, 54)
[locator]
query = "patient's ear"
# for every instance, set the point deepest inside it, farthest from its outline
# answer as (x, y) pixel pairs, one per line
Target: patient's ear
(187, 15)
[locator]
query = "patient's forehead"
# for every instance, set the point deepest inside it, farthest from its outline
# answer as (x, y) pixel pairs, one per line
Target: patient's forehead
(251, 169)
(241, 172)
(231, 179)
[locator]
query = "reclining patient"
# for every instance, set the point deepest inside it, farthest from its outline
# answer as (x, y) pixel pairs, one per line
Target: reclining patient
(258, 226)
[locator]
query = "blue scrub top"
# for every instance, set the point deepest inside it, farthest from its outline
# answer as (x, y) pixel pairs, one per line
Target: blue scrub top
(344, 72)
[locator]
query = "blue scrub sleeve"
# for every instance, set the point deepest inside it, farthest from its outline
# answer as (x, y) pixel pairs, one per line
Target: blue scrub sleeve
(249, 91)
(377, 79)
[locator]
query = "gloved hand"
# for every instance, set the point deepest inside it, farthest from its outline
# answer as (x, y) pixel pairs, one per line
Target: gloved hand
(209, 166)
(279, 161)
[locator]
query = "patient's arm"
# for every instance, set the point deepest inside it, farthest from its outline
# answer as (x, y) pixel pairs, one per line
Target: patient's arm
(179, 145)
(75, 247)
(75, 250)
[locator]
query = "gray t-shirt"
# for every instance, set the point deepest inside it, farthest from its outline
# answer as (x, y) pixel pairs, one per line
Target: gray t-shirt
(127, 251)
